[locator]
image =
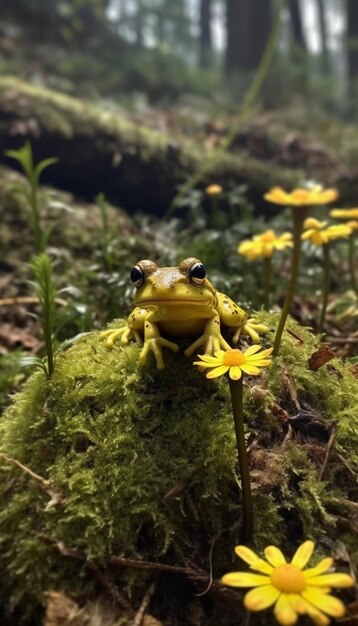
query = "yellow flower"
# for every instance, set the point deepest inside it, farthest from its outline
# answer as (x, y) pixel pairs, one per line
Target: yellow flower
(352, 224)
(320, 234)
(235, 362)
(214, 190)
(264, 245)
(301, 196)
(344, 214)
(293, 590)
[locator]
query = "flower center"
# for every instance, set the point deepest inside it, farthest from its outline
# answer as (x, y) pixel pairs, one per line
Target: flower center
(288, 578)
(233, 357)
(268, 237)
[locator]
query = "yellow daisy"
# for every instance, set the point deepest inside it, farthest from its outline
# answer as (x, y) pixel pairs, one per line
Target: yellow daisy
(301, 196)
(344, 214)
(214, 190)
(235, 362)
(320, 234)
(264, 245)
(289, 587)
(352, 224)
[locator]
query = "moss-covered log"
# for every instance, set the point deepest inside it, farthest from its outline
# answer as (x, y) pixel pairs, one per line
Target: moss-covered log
(141, 465)
(134, 166)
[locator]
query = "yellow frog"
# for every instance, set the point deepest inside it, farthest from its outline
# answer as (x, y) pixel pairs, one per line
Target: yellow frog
(179, 302)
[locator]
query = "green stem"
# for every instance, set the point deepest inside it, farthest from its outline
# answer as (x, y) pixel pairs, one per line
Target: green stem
(36, 221)
(326, 286)
(299, 216)
(351, 262)
(267, 280)
(236, 390)
(214, 212)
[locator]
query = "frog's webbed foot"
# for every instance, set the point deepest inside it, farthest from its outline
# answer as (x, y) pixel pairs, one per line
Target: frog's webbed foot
(251, 328)
(210, 344)
(155, 345)
(125, 333)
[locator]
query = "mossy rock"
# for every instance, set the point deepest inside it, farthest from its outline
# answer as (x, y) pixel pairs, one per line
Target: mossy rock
(145, 461)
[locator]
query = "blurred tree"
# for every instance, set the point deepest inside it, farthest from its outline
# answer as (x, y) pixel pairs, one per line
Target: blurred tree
(296, 24)
(352, 33)
(323, 34)
(205, 33)
(248, 26)
(352, 54)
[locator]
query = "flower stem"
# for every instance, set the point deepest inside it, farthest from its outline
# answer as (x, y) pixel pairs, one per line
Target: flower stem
(299, 216)
(351, 262)
(326, 286)
(267, 280)
(214, 212)
(236, 390)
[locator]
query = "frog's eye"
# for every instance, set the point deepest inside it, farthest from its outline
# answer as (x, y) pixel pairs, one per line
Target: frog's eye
(197, 273)
(137, 276)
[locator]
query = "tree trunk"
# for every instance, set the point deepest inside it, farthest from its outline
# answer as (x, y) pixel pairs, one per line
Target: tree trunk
(248, 25)
(205, 33)
(323, 34)
(352, 33)
(296, 24)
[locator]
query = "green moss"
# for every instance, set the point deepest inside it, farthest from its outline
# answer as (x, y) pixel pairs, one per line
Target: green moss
(117, 439)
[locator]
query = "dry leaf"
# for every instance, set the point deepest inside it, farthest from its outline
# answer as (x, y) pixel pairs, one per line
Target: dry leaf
(320, 357)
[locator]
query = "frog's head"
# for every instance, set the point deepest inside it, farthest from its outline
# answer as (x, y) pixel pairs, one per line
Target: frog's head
(186, 284)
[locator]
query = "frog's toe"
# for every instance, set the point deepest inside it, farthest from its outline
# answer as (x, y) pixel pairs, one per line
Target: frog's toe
(194, 347)
(223, 345)
(168, 344)
(110, 336)
(237, 335)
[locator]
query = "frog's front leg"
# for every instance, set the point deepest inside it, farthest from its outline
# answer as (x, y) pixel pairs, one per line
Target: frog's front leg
(211, 339)
(250, 327)
(153, 342)
(132, 330)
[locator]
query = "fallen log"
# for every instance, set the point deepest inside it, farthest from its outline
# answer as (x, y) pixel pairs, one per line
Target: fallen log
(136, 167)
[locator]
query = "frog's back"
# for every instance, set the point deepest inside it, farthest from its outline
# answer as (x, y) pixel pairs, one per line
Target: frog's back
(230, 313)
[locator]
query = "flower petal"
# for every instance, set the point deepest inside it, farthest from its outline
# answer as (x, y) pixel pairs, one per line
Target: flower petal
(261, 598)
(209, 359)
(253, 560)
(274, 556)
(244, 579)
(251, 370)
(331, 580)
(298, 603)
(251, 350)
(324, 602)
(303, 554)
(218, 371)
(235, 372)
(284, 611)
(320, 568)
(317, 616)
(219, 354)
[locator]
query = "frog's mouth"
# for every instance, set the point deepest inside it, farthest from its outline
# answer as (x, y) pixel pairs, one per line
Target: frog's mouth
(174, 302)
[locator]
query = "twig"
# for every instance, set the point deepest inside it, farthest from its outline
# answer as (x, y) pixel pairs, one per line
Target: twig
(343, 340)
(75, 553)
(111, 589)
(290, 332)
(288, 436)
(28, 300)
(330, 444)
(138, 618)
(347, 466)
(43, 484)
(120, 561)
(194, 574)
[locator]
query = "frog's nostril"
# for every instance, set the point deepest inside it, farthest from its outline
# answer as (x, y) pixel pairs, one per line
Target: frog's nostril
(172, 285)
